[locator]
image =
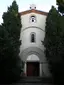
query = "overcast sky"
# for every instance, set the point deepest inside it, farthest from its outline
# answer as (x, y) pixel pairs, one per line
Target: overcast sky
(43, 5)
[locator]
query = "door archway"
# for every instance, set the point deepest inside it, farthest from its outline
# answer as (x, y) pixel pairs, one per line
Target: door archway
(33, 65)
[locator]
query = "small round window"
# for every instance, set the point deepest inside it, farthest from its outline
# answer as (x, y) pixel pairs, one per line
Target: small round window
(32, 19)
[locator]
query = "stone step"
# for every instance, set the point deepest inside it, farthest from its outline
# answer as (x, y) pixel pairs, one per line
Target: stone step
(35, 80)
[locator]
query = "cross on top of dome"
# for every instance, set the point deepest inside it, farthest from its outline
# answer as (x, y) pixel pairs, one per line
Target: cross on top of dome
(32, 6)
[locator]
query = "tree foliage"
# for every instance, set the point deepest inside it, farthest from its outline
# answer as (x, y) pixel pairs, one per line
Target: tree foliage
(10, 62)
(12, 21)
(54, 43)
(60, 4)
(52, 37)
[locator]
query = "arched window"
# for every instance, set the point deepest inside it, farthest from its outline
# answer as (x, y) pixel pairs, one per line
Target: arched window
(32, 19)
(32, 37)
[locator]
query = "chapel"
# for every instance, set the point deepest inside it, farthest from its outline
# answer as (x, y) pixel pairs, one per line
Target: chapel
(32, 47)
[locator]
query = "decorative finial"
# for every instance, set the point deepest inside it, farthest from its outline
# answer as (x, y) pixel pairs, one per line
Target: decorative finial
(32, 6)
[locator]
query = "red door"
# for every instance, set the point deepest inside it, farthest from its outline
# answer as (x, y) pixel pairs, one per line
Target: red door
(32, 69)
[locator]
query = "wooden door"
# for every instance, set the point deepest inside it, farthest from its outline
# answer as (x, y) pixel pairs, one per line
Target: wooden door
(32, 68)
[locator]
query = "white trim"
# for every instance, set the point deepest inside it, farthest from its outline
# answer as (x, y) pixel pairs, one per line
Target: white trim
(25, 68)
(40, 69)
(32, 27)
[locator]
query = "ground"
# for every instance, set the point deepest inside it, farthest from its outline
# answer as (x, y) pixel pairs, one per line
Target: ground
(33, 81)
(31, 84)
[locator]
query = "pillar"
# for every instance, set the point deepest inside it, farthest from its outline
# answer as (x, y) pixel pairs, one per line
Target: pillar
(25, 68)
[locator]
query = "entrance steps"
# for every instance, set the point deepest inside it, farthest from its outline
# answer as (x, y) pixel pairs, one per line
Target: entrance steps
(35, 80)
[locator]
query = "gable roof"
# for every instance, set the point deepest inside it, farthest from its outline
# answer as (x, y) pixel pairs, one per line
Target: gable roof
(33, 11)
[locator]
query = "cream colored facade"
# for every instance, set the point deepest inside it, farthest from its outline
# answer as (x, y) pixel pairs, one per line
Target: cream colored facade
(33, 51)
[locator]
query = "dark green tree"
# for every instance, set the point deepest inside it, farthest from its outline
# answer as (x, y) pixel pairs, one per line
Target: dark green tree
(54, 43)
(11, 64)
(12, 21)
(60, 4)
(52, 31)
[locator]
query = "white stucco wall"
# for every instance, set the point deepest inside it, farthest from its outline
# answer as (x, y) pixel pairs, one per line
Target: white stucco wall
(37, 27)
(25, 32)
(40, 20)
(26, 38)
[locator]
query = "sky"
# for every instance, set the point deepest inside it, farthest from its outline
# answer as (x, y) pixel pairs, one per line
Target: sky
(43, 5)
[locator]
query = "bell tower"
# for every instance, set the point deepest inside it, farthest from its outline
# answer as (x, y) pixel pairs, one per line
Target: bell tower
(32, 49)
